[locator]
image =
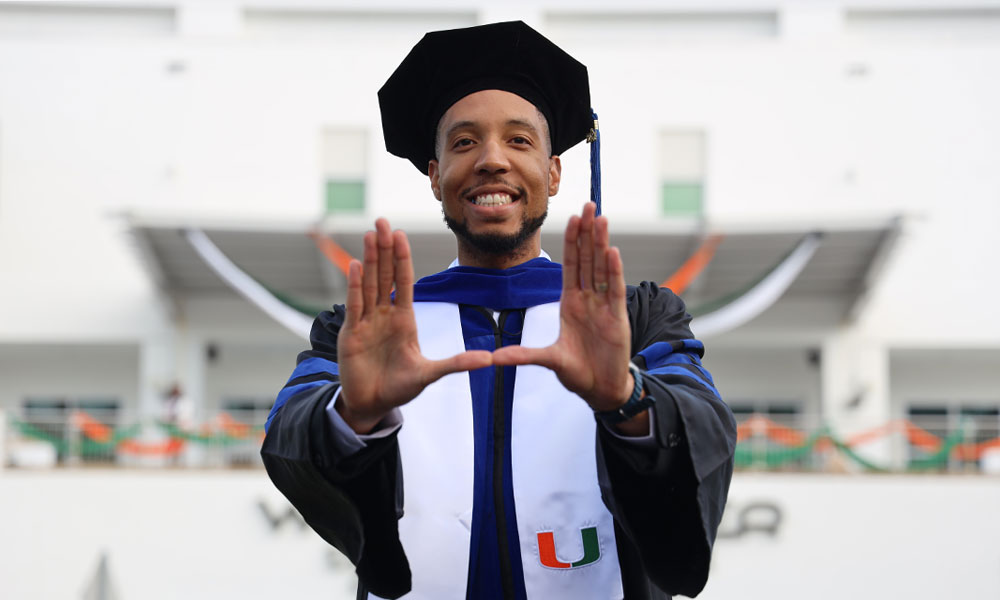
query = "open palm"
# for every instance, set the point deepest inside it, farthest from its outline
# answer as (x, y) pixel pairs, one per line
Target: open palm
(381, 366)
(591, 355)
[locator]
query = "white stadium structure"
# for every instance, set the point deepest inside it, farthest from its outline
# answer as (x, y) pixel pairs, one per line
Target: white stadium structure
(180, 181)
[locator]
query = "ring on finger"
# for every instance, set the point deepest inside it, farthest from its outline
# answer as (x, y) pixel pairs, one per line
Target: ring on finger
(601, 286)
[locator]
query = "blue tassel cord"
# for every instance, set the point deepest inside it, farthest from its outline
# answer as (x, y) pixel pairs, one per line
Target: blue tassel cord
(594, 139)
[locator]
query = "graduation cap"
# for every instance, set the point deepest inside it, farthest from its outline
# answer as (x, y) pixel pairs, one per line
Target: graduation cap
(445, 66)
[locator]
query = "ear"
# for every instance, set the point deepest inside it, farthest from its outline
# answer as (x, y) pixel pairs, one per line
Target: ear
(434, 174)
(555, 175)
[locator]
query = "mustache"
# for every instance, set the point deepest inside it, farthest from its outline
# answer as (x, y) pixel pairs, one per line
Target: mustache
(498, 181)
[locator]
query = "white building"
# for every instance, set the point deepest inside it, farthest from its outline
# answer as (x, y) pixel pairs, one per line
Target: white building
(124, 124)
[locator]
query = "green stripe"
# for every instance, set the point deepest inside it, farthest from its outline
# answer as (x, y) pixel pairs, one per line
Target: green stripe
(591, 547)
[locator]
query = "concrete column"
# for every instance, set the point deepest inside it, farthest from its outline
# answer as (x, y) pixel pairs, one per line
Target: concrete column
(192, 374)
(157, 372)
(855, 393)
(3, 441)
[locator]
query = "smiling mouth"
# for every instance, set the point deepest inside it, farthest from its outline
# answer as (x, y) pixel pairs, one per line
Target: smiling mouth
(492, 199)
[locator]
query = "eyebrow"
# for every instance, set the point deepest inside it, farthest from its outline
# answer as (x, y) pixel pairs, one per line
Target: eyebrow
(523, 123)
(468, 124)
(456, 126)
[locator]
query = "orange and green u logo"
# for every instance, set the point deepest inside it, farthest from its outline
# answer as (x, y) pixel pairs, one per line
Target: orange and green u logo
(547, 549)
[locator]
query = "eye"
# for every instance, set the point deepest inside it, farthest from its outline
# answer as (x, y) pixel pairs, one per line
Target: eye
(520, 140)
(462, 142)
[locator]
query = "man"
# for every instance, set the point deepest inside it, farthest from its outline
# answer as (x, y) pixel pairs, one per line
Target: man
(442, 434)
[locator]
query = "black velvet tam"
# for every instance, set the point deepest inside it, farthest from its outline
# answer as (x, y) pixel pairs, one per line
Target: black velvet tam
(446, 66)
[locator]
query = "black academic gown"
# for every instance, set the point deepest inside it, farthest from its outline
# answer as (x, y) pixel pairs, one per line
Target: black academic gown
(667, 498)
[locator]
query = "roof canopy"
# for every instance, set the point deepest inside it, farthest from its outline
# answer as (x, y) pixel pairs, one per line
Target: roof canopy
(829, 290)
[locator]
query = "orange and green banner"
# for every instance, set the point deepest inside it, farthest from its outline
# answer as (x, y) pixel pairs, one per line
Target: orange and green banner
(761, 442)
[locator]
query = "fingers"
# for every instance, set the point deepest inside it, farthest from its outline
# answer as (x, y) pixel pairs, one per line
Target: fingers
(616, 280)
(388, 264)
(601, 254)
(369, 281)
(403, 268)
(586, 244)
(383, 235)
(571, 264)
(355, 298)
(586, 253)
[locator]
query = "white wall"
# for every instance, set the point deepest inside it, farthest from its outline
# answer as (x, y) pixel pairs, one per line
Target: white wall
(70, 372)
(873, 537)
(766, 374)
(944, 375)
(219, 112)
(257, 371)
(167, 536)
(202, 535)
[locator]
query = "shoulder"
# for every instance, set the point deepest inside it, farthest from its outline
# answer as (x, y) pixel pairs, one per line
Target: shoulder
(651, 292)
(656, 314)
(325, 329)
(648, 301)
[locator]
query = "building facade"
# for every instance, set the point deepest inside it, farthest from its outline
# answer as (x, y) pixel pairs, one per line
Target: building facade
(742, 131)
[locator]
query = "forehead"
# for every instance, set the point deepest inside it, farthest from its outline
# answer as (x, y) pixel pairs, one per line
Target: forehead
(489, 106)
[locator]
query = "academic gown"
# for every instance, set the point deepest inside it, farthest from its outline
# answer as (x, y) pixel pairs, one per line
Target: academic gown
(666, 493)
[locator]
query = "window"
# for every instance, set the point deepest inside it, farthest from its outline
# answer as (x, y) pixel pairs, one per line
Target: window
(344, 164)
(46, 419)
(682, 173)
(80, 429)
(951, 436)
(772, 435)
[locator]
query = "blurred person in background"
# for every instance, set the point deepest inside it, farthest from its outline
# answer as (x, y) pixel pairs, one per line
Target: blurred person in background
(509, 427)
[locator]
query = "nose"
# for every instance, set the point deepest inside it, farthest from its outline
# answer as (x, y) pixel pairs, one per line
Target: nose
(492, 158)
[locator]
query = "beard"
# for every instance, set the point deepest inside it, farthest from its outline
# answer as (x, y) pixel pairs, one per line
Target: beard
(494, 244)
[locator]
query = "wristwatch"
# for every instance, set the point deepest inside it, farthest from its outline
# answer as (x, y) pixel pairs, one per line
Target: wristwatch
(635, 404)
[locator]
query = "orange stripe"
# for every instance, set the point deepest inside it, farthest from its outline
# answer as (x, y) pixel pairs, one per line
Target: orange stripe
(784, 435)
(870, 435)
(169, 447)
(744, 430)
(921, 438)
(693, 266)
(232, 427)
(975, 451)
(915, 435)
(91, 427)
(332, 251)
(772, 430)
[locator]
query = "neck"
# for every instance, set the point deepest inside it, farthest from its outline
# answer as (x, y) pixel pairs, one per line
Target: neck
(470, 256)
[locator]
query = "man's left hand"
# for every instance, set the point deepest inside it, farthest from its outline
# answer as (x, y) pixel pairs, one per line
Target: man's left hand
(591, 355)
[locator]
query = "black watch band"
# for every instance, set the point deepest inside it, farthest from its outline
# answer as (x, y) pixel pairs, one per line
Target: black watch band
(635, 404)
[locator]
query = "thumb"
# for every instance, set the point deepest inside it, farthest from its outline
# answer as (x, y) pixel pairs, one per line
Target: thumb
(519, 355)
(466, 361)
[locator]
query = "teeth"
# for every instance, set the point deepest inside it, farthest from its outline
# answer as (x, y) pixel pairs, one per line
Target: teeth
(492, 200)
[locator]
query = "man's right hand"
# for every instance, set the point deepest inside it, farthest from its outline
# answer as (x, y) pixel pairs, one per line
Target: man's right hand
(381, 366)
